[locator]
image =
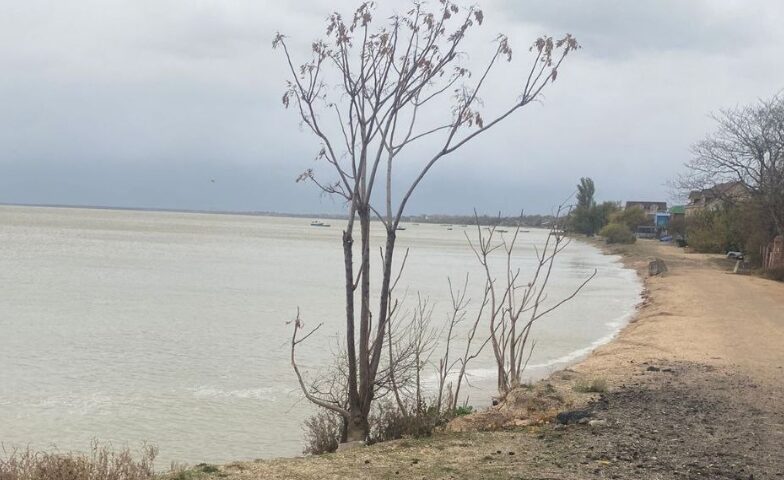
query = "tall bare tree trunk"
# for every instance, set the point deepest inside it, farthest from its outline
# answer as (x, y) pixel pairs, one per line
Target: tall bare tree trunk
(354, 428)
(358, 424)
(386, 281)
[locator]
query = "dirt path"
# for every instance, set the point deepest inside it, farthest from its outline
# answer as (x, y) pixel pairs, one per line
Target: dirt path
(696, 391)
(699, 313)
(698, 378)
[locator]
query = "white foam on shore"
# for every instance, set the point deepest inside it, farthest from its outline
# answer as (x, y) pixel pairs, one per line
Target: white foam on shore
(569, 358)
(616, 324)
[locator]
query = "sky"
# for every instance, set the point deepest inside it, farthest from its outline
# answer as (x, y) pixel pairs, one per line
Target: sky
(176, 103)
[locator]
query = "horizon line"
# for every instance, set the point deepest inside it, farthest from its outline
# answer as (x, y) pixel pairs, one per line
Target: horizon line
(260, 213)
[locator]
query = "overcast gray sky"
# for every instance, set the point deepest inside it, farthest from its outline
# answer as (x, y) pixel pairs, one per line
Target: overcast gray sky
(141, 103)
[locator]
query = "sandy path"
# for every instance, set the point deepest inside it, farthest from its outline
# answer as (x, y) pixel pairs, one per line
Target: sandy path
(699, 312)
(697, 379)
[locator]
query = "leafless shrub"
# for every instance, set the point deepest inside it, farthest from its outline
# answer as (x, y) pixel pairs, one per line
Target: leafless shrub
(459, 313)
(407, 408)
(388, 423)
(323, 432)
(100, 464)
(515, 305)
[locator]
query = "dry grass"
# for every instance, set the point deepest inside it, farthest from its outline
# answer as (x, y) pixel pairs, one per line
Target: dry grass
(471, 456)
(101, 463)
(201, 471)
(594, 385)
(387, 422)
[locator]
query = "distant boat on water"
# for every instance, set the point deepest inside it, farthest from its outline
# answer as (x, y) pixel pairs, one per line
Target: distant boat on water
(318, 223)
(400, 228)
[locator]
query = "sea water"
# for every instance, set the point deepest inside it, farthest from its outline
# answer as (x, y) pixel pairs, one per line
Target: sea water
(171, 328)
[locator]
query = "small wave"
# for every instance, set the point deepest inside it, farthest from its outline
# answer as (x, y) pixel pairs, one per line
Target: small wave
(92, 404)
(574, 355)
(485, 373)
(616, 323)
(267, 394)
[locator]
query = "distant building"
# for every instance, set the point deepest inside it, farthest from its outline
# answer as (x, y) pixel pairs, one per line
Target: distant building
(651, 208)
(715, 197)
(662, 220)
(677, 211)
(677, 215)
(652, 211)
(646, 231)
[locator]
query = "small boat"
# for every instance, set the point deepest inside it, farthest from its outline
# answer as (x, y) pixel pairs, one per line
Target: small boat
(317, 223)
(501, 231)
(400, 228)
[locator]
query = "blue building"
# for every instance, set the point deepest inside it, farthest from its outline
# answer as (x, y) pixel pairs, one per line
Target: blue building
(662, 220)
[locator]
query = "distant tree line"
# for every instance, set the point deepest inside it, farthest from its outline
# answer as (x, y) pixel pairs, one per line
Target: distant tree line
(608, 219)
(485, 220)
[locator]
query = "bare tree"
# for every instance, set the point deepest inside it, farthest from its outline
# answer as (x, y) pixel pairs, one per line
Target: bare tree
(515, 305)
(413, 351)
(446, 365)
(747, 148)
(456, 316)
(364, 94)
(470, 352)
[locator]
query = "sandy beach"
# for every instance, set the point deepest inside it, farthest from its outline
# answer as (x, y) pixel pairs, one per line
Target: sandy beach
(699, 312)
(694, 390)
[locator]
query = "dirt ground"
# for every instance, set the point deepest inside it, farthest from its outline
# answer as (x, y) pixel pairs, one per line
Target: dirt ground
(695, 390)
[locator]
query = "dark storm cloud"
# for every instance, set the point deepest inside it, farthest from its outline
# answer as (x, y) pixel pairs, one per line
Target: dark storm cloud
(619, 28)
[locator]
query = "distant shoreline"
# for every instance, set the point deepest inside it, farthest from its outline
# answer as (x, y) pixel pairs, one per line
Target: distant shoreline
(176, 210)
(435, 219)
